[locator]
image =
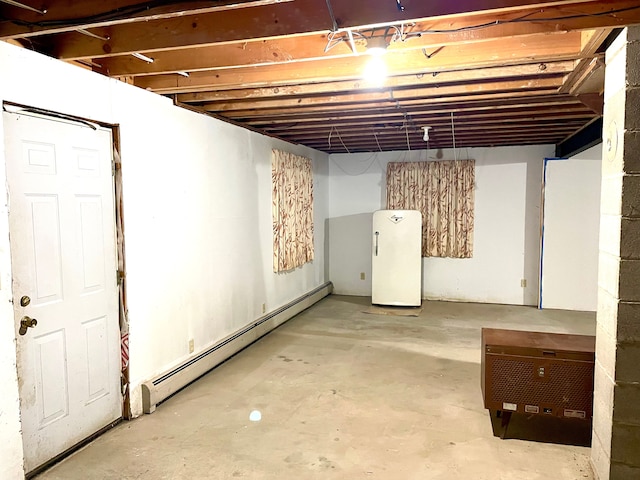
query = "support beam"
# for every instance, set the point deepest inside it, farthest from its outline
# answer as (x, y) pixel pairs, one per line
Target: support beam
(504, 52)
(444, 78)
(391, 96)
(530, 99)
(310, 16)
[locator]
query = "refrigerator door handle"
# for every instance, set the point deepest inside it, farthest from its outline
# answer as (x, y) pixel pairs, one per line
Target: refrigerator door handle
(377, 234)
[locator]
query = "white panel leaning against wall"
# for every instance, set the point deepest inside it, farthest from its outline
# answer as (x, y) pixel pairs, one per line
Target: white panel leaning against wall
(444, 193)
(292, 210)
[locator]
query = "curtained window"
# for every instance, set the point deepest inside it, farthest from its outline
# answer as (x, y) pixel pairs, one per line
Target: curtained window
(444, 193)
(292, 210)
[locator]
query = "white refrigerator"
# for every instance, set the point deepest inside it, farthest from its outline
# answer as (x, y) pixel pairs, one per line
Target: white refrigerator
(396, 270)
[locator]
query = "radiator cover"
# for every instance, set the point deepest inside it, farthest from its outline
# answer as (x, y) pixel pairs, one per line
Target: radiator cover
(538, 373)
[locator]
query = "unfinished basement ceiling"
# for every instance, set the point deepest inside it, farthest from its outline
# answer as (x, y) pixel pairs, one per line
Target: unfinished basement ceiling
(477, 72)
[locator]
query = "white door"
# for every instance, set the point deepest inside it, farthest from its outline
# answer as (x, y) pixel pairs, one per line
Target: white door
(63, 255)
(571, 226)
(396, 268)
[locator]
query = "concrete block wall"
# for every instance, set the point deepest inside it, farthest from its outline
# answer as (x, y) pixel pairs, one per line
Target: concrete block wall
(616, 424)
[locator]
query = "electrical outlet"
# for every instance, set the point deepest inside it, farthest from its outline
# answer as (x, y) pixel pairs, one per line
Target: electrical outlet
(523, 283)
(264, 308)
(191, 346)
(361, 275)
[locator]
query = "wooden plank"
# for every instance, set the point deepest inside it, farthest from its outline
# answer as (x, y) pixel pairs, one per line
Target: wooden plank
(591, 42)
(371, 114)
(417, 122)
(204, 31)
(443, 78)
(175, 57)
(427, 119)
(69, 15)
(502, 52)
(531, 100)
(279, 51)
(259, 51)
(390, 96)
(400, 143)
(272, 20)
(433, 134)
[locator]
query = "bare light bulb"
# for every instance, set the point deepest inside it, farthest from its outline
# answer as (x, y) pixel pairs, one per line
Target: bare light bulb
(426, 134)
(375, 71)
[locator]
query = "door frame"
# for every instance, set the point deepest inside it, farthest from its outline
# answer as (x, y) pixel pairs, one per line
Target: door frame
(116, 185)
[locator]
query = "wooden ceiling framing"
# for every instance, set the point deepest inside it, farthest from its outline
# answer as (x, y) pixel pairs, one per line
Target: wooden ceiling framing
(477, 72)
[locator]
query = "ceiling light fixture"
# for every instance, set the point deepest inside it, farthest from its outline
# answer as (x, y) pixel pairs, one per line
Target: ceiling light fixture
(426, 134)
(377, 46)
(375, 71)
(391, 33)
(142, 57)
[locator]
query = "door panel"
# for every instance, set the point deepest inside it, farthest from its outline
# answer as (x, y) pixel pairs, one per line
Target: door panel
(95, 333)
(91, 235)
(51, 377)
(44, 239)
(63, 252)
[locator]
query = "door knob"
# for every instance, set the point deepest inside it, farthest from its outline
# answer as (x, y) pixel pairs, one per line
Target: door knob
(25, 323)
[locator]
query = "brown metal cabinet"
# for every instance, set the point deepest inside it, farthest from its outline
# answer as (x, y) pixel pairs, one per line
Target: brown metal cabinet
(537, 373)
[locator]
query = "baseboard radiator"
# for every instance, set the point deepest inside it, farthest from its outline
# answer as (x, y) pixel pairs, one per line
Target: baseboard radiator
(165, 385)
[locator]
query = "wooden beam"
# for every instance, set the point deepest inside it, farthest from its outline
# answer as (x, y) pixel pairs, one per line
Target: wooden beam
(533, 99)
(537, 69)
(204, 30)
(271, 20)
(295, 129)
(510, 51)
(400, 142)
(594, 101)
(389, 96)
(425, 118)
(70, 15)
(591, 42)
(264, 52)
(312, 46)
(443, 128)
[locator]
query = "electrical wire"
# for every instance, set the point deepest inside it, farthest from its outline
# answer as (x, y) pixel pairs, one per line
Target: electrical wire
(125, 12)
(523, 19)
(333, 17)
(377, 142)
(406, 130)
(453, 134)
(340, 138)
(374, 157)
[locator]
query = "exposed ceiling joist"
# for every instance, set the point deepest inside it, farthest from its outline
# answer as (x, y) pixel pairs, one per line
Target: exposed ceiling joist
(510, 71)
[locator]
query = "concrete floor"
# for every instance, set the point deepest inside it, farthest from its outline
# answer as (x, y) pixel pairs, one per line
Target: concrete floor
(347, 395)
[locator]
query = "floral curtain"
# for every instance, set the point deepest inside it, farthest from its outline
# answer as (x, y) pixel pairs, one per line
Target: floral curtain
(292, 210)
(444, 193)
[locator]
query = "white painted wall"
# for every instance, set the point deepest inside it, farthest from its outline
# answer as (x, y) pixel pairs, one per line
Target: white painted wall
(197, 196)
(571, 231)
(507, 225)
